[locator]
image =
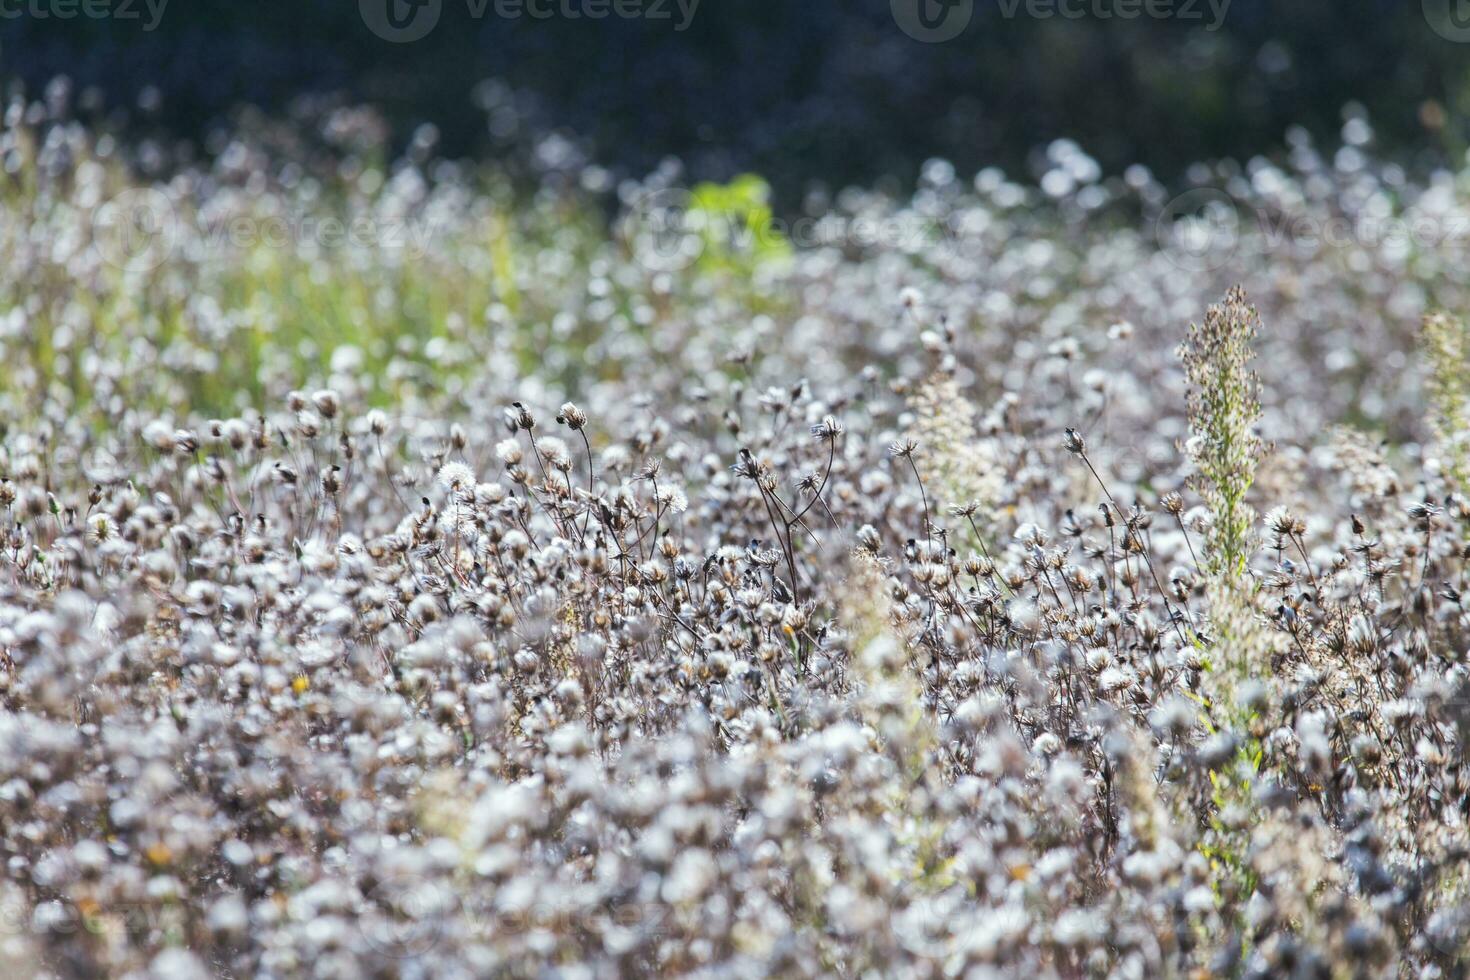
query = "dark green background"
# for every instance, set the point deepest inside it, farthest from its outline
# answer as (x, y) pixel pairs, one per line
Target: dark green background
(802, 90)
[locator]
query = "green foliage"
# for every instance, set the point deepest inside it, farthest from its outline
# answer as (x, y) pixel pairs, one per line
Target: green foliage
(1224, 408)
(737, 226)
(1447, 342)
(263, 293)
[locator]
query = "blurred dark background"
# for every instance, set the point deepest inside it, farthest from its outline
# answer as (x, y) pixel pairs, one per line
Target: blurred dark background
(816, 90)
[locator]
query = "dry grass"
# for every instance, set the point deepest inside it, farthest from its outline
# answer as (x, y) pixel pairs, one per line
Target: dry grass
(837, 631)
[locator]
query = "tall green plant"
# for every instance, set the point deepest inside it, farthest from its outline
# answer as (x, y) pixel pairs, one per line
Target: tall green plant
(1447, 342)
(1224, 409)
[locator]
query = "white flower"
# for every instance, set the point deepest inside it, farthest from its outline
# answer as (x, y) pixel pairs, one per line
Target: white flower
(100, 527)
(1031, 535)
(160, 436)
(555, 451)
(456, 477)
(672, 497)
(509, 451)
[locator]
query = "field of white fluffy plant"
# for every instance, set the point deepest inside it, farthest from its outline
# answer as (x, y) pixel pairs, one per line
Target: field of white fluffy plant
(407, 572)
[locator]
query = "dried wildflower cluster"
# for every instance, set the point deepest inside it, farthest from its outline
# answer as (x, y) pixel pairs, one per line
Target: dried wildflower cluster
(1445, 340)
(867, 613)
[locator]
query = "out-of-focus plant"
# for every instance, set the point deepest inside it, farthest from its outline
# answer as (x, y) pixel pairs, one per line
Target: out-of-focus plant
(1447, 342)
(738, 227)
